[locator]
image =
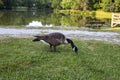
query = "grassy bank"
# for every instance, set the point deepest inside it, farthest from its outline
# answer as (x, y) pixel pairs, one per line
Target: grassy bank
(98, 14)
(117, 29)
(101, 14)
(21, 59)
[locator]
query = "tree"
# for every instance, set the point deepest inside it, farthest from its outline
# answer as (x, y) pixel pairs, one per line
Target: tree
(117, 5)
(107, 5)
(66, 4)
(84, 4)
(95, 4)
(76, 4)
(56, 4)
(8, 4)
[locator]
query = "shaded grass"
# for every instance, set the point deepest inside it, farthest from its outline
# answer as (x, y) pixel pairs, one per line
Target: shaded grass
(21, 59)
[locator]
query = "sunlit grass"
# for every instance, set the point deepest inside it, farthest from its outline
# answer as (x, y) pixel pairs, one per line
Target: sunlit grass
(101, 14)
(22, 59)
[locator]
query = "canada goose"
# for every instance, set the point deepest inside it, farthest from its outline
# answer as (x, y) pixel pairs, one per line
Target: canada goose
(55, 39)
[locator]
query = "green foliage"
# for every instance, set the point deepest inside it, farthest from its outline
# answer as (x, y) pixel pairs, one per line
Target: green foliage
(111, 5)
(22, 59)
(66, 4)
(96, 6)
(9, 4)
(117, 6)
(106, 5)
(56, 4)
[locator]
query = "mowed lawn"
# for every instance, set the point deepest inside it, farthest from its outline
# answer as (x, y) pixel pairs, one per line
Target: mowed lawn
(22, 59)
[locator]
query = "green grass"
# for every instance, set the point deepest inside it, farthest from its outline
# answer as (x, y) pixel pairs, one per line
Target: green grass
(117, 29)
(101, 14)
(22, 59)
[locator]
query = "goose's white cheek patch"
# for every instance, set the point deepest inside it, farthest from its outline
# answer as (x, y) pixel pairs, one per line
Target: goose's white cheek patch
(74, 49)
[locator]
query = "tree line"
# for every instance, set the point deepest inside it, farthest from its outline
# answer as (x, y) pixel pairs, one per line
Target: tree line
(106, 5)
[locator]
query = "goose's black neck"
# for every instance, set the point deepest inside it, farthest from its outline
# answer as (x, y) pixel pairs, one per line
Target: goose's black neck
(72, 45)
(71, 42)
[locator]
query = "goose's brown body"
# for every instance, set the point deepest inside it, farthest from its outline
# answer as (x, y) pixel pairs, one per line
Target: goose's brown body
(54, 39)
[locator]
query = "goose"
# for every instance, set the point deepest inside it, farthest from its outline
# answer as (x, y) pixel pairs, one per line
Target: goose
(55, 39)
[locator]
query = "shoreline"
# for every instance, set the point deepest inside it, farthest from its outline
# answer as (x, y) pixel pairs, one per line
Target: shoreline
(75, 34)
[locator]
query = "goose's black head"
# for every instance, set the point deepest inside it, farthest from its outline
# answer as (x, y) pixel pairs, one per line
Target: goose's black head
(75, 49)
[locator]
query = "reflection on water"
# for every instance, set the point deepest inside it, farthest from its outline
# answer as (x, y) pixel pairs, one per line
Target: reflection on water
(38, 24)
(43, 18)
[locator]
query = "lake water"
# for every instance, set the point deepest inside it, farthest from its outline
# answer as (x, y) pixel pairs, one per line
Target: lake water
(43, 18)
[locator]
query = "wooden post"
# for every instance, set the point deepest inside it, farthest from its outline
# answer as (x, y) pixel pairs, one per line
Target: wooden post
(115, 19)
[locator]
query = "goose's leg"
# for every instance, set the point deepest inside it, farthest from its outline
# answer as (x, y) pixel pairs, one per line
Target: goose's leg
(54, 48)
(51, 48)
